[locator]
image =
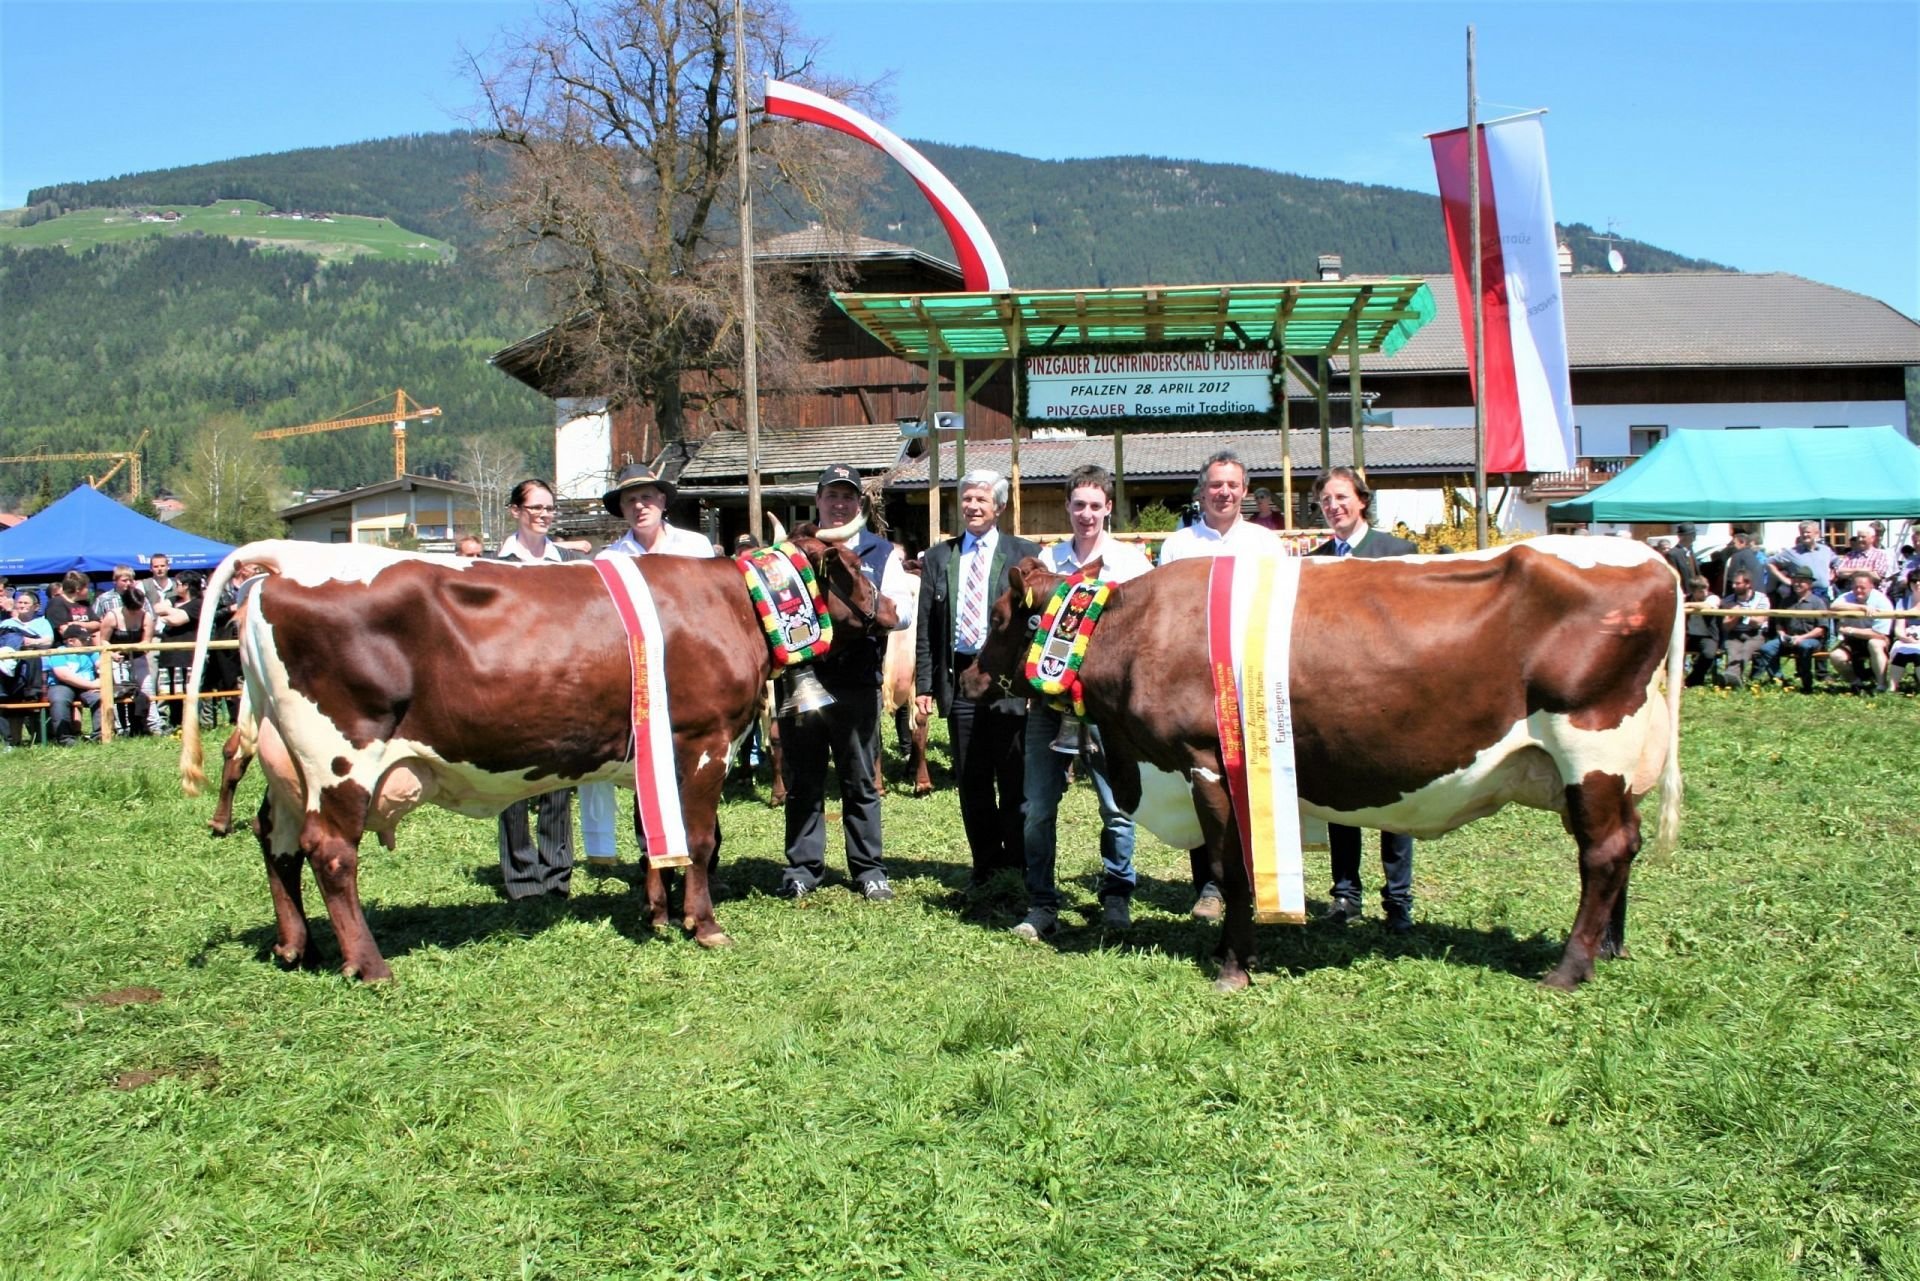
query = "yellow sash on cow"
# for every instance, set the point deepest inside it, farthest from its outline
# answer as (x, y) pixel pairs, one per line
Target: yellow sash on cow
(1250, 637)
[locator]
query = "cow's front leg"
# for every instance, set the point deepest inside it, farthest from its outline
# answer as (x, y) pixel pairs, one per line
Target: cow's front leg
(1222, 832)
(283, 881)
(1606, 823)
(332, 841)
(701, 780)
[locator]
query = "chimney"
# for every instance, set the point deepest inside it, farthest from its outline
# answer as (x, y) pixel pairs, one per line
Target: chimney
(1566, 258)
(1329, 266)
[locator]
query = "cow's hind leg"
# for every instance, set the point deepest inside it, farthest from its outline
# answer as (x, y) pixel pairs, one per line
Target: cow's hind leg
(283, 881)
(1605, 821)
(331, 839)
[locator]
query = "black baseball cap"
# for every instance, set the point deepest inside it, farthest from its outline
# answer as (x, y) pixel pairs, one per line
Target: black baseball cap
(838, 474)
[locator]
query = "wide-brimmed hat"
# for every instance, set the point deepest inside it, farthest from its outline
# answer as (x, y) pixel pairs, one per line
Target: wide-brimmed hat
(632, 476)
(1685, 527)
(1801, 573)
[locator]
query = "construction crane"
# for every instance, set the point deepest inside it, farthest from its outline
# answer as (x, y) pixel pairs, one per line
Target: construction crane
(120, 457)
(405, 410)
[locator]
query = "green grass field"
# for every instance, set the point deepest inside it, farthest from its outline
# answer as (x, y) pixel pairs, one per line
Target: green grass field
(908, 1091)
(347, 236)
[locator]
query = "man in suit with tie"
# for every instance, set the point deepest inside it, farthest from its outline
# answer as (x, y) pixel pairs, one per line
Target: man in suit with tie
(959, 581)
(1343, 497)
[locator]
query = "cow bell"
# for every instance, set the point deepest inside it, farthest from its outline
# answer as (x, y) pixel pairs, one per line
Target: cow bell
(805, 694)
(1067, 741)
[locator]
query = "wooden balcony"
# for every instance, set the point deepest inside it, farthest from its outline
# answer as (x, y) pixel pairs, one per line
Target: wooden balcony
(1557, 486)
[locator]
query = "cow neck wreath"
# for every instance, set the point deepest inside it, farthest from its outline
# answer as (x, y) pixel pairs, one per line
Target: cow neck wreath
(1060, 642)
(786, 594)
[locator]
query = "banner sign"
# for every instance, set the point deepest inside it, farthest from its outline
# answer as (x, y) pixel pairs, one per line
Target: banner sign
(1525, 386)
(1149, 384)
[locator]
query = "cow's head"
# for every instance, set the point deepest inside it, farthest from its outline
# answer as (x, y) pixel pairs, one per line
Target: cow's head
(852, 601)
(1001, 667)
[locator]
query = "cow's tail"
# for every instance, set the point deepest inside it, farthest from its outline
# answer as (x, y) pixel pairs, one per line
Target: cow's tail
(1668, 834)
(192, 776)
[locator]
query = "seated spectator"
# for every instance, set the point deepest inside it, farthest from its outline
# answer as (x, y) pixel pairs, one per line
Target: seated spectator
(21, 678)
(1263, 512)
(127, 620)
(1742, 635)
(1801, 637)
(1864, 641)
(1703, 633)
(71, 601)
(1905, 651)
(470, 547)
(72, 678)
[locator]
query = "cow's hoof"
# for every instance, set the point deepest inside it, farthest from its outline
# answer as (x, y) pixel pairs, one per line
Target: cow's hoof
(923, 789)
(290, 958)
(715, 938)
(220, 829)
(1562, 980)
(377, 972)
(1232, 981)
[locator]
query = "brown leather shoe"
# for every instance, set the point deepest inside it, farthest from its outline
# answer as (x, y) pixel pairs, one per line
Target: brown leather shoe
(1209, 906)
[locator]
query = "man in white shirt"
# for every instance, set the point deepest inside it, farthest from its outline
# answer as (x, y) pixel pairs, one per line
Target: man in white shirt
(1221, 531)
(1865, 640)
(639, 497)
(1089, 504)
(1741, 635)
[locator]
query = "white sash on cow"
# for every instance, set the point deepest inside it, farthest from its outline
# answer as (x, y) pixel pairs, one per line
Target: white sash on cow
(656, 787)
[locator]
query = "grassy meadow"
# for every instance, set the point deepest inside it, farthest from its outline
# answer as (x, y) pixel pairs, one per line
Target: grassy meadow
(906, 1090)
(347, 236)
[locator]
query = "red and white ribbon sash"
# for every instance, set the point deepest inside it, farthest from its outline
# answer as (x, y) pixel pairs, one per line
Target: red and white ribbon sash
(1249, 650)
(654, 781)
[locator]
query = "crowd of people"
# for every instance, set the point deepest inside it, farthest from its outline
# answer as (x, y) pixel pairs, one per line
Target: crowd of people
(51, 678)
(1804, 611)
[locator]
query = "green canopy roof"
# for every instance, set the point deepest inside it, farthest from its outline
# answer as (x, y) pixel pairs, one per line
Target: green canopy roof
(1774, 473)
(1305, 317)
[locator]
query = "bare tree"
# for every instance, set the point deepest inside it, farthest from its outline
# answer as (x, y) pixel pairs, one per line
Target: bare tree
(617, 124)
(493, 467)
(232, 486)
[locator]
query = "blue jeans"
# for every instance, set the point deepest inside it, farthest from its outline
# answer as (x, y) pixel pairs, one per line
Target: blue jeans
(1046, 783)
(1802, 648)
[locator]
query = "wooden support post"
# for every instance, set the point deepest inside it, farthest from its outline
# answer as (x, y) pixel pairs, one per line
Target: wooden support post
(1356, 409)
(1321, 368)
(960, 407)
(933, 451)
(1286, 438)
(1120, 508)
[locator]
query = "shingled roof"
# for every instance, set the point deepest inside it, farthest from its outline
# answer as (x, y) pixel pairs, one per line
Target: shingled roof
(1178, 455)
(799, 455)
(1686, 320)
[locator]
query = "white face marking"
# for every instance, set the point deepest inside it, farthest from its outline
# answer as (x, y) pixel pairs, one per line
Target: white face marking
(702, 762)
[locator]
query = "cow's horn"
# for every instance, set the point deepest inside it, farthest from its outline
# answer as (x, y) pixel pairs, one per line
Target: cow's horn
(842, 533)
(779, 530)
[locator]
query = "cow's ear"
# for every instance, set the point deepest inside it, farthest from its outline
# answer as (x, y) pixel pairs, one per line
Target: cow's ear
(1017, 582)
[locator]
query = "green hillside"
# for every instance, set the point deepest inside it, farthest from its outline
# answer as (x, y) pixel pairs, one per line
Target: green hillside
(330, 236)
(112, 325)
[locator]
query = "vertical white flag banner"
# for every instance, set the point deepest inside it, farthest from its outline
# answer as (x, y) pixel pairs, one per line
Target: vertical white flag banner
(1525, 387)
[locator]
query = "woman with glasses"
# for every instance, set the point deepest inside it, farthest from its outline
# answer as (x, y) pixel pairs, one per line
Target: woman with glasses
(536, 857)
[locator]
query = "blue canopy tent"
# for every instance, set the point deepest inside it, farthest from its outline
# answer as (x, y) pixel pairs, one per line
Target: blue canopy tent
(1775, 473)
(92, 533)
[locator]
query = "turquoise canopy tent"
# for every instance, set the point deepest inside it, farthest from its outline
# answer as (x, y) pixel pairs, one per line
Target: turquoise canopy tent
(1775, 473)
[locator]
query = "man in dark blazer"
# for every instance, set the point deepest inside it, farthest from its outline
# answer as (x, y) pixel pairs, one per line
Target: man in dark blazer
(1343, 497)
(959, 580)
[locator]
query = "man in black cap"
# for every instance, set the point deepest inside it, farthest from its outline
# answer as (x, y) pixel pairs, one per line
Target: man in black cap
(1681, 556)
(849, 729)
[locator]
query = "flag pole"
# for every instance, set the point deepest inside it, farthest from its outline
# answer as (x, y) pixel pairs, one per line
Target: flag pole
(749, 355)
(1479, 316)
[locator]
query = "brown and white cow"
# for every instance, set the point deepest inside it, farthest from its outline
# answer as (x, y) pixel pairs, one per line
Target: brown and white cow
(379, 681)
(1426, 692)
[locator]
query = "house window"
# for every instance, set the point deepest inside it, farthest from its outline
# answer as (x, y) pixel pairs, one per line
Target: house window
(1641, 440)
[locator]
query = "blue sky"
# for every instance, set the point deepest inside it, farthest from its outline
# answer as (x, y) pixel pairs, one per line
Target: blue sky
(1766, 136)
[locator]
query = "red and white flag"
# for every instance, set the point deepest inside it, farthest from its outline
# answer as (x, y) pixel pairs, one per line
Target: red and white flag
(1529, 403)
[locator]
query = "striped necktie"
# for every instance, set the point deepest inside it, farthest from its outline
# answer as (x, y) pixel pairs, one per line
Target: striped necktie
(1341, 547)
(973, 601)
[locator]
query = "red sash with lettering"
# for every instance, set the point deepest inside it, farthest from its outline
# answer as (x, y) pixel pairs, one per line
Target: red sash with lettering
(655, 784)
